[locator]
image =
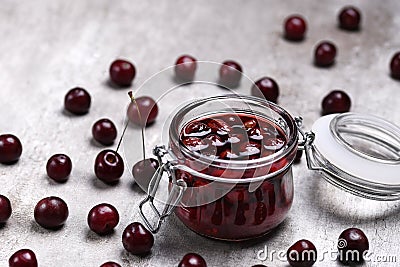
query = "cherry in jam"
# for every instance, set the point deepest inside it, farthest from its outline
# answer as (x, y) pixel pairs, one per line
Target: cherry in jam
(232, 136)
(244, 210)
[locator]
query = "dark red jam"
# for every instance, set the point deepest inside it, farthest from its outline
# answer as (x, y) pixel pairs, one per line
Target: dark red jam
(234, 211)
(233, 137)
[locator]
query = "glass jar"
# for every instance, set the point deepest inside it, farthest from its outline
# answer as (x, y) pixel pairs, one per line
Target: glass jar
(232, 199)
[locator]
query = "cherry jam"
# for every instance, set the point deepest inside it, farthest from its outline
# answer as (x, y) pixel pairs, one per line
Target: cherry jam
(232, 137)
(222, 201)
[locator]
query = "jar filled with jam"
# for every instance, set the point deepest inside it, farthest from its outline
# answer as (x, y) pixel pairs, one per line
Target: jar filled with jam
(234, 155)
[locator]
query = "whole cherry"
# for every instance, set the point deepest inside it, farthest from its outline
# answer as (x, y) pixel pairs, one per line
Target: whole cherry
(103, 218)
(109, 166)
(5, 209)
(230, 74)
(266, 88)
(298, 156)
(295, 28)
(395, 66)
(192, 260)
(10, 149)
(23, 258)
(353, 240)
(337, 101)
(143, 111)
(302, 254)
(185, 68)
(110, 264)
(324, 54)
(59, 167)
(51, 212)
(104, 132)
(143, 171)
(77, 101)
(122, 72)
(349, 18)
(137, 239)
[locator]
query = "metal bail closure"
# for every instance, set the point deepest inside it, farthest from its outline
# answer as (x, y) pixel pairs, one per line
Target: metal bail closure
(356, 152)
(177, 188)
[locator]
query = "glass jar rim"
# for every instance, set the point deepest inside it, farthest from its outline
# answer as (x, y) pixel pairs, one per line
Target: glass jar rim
(292, 138)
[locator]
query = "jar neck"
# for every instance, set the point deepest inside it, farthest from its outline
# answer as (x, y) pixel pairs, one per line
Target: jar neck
(234, 104)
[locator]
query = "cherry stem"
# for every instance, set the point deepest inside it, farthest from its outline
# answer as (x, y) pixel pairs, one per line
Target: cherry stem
(122, 136)
(141, 125)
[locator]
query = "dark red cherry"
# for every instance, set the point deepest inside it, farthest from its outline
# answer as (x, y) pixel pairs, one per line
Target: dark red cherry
(302, 254)
(137, 239)
(298, 156)
(51, 212)
(103, 218)
(185, 68)
(196, 129)
(237, 138)
(295, 28)
(109, 166)
(230, 74)
(219, 126)
(324, 54)
(59, 167)
(122, 72)
(216, 140)
(192, 260)
(148, 110)
(210, 150)
(110, 264)
(23, 258)
(10, 149)
(5, 209)
(349, 18)
(336, 101)
(352, 239)
(250, 123)
(395, 66)
(266, 88)
(228, 154)
(274, 143)
(250, 149)
(194, 143)
(255, 134)
(77, 101)
(143, 171)
(104, 132)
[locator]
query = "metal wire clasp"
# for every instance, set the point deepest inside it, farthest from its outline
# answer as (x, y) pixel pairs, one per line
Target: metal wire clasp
(306, 144)
(307, 137)
(177, 189)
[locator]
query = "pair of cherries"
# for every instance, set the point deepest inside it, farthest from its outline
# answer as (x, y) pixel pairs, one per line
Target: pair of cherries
(52, 212)
(230, 71)
(295, 26)
(352, 244)
(303, 253)
(27, 258)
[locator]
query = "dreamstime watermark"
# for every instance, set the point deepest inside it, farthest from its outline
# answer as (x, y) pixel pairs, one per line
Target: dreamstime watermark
(342, 254)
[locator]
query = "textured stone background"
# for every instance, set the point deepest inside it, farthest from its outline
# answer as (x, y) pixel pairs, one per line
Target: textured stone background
(50, 46)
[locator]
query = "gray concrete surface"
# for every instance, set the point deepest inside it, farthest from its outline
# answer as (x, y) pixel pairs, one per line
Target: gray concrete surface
(49, 46)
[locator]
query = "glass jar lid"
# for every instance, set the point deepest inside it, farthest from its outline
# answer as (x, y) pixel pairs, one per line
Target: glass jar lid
(357, 152)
